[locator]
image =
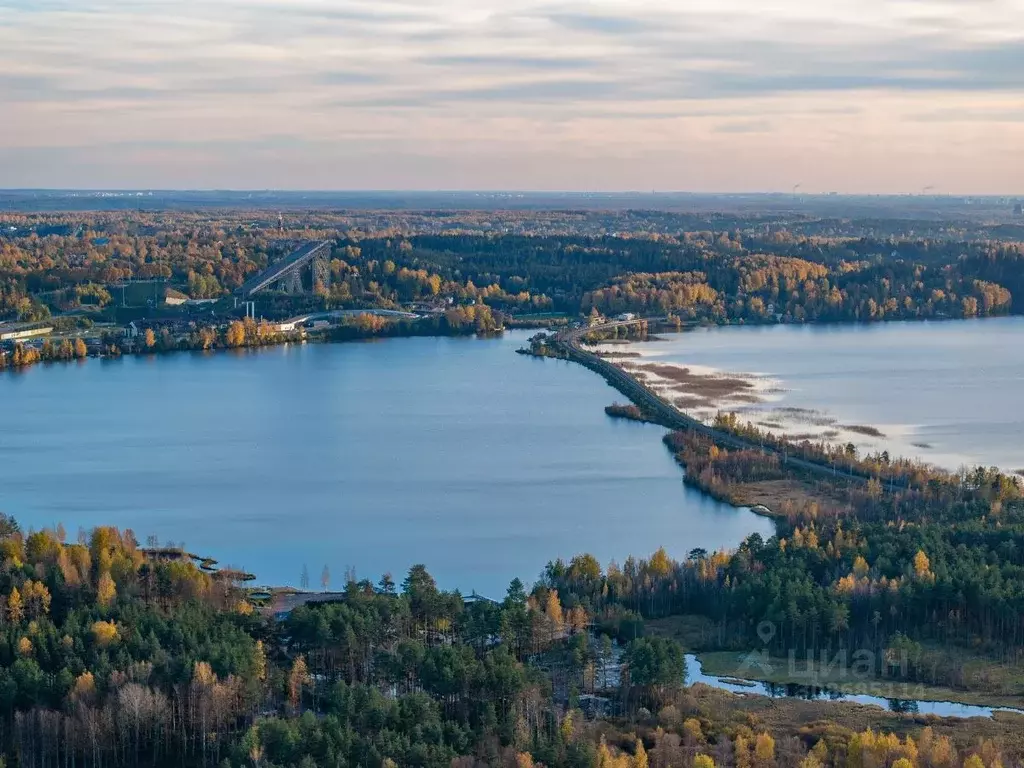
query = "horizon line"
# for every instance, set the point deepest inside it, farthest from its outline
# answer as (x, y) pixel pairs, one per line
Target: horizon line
(504, 192)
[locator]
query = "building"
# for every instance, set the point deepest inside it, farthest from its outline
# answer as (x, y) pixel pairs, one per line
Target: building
(131, 331)
(18, 332)
(627, 316)
(173, 298)
(475, 598)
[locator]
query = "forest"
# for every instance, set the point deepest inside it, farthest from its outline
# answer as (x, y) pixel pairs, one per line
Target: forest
(112, 653)
(757, 270)
(118, 654)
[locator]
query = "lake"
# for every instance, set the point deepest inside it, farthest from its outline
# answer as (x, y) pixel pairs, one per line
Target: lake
(950, 393)
(457, 453)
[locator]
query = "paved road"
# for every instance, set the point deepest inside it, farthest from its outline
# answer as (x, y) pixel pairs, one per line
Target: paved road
(667, 414)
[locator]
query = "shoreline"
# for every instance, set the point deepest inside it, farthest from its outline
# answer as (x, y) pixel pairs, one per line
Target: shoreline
(702, 392)
(285, 340)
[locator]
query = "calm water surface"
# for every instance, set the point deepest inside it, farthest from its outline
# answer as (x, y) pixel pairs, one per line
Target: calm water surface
(457, 453)
(950, 393)
(695, 674)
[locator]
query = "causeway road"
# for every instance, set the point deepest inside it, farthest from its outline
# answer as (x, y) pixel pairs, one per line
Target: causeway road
(660, 410)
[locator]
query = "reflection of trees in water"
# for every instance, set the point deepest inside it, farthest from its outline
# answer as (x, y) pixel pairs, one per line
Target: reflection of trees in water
(904, 706)
(797, 691)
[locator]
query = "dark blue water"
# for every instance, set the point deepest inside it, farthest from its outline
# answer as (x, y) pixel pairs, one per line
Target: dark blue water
(456, 453)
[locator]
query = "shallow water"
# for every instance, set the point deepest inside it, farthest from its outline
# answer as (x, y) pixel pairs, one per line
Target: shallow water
(950, 393)
(457, 453)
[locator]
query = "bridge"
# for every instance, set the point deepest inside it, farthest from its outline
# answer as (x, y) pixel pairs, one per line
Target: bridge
(287, 273)
(659, 410)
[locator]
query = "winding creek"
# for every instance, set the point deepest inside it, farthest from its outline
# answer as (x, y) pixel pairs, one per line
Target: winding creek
(695, 674)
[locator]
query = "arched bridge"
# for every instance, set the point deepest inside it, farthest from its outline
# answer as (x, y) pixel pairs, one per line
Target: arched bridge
(288, 272)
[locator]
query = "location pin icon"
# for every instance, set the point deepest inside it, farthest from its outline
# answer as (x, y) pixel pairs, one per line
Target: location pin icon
(766, 631)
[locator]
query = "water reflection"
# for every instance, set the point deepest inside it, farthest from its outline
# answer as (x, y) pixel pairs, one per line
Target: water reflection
(695, 674)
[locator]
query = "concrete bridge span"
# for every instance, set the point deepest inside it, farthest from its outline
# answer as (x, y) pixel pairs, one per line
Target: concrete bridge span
(287, 273)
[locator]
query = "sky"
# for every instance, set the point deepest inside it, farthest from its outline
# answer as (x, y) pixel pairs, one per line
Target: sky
(888, 96)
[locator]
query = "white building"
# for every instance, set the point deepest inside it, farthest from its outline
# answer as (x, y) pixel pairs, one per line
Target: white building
(16, 333)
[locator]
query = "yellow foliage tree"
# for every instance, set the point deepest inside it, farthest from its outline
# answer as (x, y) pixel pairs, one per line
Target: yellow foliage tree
(639, 755)
(235, 336)
(578, 619)
(84, 690)
(15, 608)
(937, 751)
(24, 646)
(922, 565)
(691, 727)
(568, 727)
(820, 751)
(703, 761)
(36, 598)
(104, 633)
(259, 662)
(660, 564)
(741, 749)
(764, 748)
(106, 590)
(203, 674)
(553, 611)
(297, 679)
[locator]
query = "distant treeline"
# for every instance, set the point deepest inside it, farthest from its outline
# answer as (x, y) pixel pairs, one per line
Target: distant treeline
(58, 262)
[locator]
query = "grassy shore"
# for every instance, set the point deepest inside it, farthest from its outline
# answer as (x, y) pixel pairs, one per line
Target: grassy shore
(812, 672)
(811, 720)
(987, 682)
